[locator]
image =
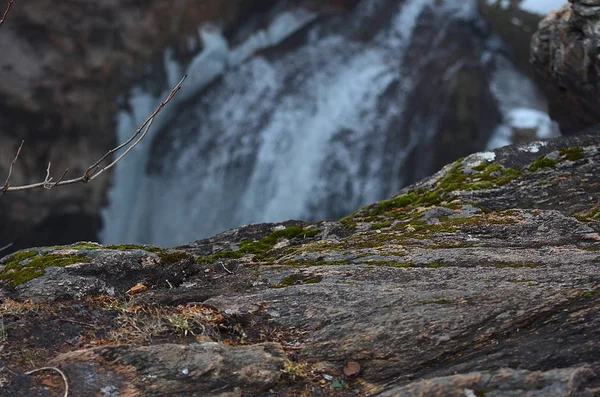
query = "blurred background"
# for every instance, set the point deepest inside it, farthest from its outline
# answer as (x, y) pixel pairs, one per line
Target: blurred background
(293, 109)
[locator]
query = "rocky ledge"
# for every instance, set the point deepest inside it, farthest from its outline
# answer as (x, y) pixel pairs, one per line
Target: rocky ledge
(482, 280)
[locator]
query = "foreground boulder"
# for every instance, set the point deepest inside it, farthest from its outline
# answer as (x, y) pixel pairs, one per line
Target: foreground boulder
(480, 280)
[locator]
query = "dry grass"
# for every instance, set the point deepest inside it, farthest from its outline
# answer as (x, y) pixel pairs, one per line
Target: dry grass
(140, 323)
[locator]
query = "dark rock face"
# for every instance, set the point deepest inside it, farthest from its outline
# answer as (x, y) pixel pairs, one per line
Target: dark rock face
(482, 279)
(564, 55)
(63, 65)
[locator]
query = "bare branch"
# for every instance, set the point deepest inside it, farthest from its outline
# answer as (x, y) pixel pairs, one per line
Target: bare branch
(10, 170)
(10, 3)
(7, 246)
(53, 369)
(61, 177)
(224, 268)
(95, 169)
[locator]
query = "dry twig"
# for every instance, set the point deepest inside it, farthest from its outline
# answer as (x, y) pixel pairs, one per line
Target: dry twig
(95, 169)
(10, 3)
(227, 270)
(78, 322)
(53, 369)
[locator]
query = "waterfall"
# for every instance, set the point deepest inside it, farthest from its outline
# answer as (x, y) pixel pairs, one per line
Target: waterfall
(305, 119)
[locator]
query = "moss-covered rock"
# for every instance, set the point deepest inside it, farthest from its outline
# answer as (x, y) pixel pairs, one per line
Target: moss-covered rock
(24, 266)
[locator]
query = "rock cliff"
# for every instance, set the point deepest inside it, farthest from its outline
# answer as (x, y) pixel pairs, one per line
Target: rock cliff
(480, 280)
(564, 53)
(63, 65)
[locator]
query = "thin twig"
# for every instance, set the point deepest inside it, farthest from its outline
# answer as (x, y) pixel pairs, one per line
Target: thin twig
(78, 322)
(12, 165)
(227, 270)
(149, 121)
(48, 178)
(94, 170)
(53, 369)
(61, 177)
(10, 3)
(7, 246)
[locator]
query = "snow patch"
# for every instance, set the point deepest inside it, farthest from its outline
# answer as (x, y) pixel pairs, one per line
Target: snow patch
(487, 156)
(532, 147)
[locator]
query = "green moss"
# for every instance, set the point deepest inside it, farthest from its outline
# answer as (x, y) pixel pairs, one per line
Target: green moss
(25, 266)
(21, 256)
(309, 233)
(348, 222)
(254, 247)
(492, 175)
(572, 154)
(413, 199)
(391, 264)
(173, 257)
(384, 206)
(517, 265)
(439, 302)
(289, 233)
(405, 200)
(95, 246)
(298, 279)
(127, 247)
(492, 168)
(79, 246)
(454, 179)
(542, 162)
(437, 265)
(263, 246)
(592, 215)
(592, 249)
(220, 255)
(481, 166)
(309, 263)
(478, 220)
(381, 225)
(417, 228)
(591, 294)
